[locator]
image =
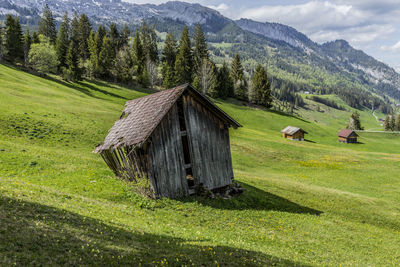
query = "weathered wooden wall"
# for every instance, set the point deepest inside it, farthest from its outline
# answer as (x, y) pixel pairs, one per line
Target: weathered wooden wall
(167, 169)
(209, 145)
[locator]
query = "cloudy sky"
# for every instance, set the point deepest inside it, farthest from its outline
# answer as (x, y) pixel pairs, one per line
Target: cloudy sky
(370, 25)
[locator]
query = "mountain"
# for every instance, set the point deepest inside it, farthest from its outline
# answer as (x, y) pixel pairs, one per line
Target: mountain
(290, 55)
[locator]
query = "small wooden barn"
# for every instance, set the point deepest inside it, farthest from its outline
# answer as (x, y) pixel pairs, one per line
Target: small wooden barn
(175, 140)
(347, 136)
(293, 133)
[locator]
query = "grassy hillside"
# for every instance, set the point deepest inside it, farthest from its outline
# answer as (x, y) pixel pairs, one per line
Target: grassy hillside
(306, 203)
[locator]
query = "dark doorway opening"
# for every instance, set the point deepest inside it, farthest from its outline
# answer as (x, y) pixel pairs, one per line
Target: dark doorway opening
(185, 145)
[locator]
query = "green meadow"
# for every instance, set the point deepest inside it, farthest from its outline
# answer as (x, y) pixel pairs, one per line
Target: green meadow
(312, 203)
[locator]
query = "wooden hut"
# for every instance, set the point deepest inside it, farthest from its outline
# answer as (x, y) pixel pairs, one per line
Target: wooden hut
(347, 136)
(175, 140)
(293, 133)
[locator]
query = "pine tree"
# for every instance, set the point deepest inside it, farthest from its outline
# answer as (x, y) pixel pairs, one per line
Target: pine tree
(397, 123)
(74, 30)
(153, 49)
(47, 25)
(392, 123)
(84, 31)
(62, 42)
(354, 121)
(200, 50)
(125, 34)
(224, 82)
(93, 63)
(72, 62)
(13, 40)
(184, 59)
(261, 88)
(237, 72)
(100, 34)
(168, 58)
(169, 77)
(106, 57)
(27, 46)
(387, 123)
(138, 57)
(35, 38)
(1, 45)
(115, 38)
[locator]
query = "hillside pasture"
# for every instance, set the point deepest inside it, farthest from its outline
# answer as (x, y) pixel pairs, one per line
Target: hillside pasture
(318, 202)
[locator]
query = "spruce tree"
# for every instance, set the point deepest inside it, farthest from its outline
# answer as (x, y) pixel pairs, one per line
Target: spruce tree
(387, 123)
(169, 50)
(184, 59)
(93, 62)
(168, 59)
(125, 34)
(1, 45)
(200, 50)
(237, 72)
(138, 56)
(84, 31)
(153, 49)
(74, 30)
(169, 77)
(261, 88)
(72, 62)
(397, 123)
(392, 122)
(27, 46)
(47, 25)
(115, 38)
(224, 82)
(14, 40)
(106, 57)
(35, 38)
(354, 121)
(62, 42)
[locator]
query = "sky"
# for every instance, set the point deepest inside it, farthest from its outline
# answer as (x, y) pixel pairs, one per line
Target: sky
(370, 25)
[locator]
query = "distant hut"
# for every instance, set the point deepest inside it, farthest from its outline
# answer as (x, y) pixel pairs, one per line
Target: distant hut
(347, 136)
(293, 133)
(175, 140)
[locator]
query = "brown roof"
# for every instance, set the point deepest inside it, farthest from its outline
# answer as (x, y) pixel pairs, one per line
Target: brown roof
(347, 133)
(291, 130)
(141, 116)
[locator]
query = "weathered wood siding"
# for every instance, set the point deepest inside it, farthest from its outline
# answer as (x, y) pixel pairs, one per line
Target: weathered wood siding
(166, 158)
(209, 145)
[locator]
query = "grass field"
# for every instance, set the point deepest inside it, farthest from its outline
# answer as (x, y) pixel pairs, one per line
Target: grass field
(318, 202)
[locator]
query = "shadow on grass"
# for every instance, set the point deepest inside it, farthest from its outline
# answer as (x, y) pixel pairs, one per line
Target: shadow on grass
(309, 141)
(256, 199)
(32, 234)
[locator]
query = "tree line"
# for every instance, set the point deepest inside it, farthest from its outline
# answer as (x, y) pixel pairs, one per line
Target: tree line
(392, 123)
(76, 51)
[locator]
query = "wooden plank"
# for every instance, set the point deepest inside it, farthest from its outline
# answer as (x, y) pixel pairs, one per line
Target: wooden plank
(209, 145)
(166, 156)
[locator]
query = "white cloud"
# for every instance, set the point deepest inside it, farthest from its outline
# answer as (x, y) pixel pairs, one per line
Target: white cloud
(394, 48)
(354, 21)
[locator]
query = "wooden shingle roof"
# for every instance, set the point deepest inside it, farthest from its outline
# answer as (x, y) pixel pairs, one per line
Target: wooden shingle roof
(291, 130)
(346, 133)
(141, 116)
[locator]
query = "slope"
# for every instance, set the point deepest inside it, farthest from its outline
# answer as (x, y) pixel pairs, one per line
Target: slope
(309, 203)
